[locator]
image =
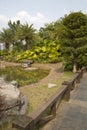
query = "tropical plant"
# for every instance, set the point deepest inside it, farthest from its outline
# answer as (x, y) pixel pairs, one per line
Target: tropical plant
(26, 34)
(45, 52)
(5, 37)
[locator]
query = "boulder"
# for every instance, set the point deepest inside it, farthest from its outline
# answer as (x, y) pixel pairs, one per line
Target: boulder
(9, 92)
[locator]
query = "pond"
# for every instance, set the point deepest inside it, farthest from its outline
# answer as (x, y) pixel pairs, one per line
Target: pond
(22, 76)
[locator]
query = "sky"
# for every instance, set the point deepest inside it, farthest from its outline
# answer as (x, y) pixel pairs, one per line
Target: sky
(38, 12)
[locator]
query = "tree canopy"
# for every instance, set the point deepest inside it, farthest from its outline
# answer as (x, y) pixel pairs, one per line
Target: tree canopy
(64, 39)
(16, 33)
(74, 39)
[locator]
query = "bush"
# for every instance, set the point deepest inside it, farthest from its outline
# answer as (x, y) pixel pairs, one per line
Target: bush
(47, 53)
(67, 66)
(82, 61)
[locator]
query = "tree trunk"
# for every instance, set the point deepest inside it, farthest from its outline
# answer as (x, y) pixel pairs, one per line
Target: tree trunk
(74, 67)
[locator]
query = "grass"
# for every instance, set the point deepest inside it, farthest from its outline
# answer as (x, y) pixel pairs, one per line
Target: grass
(38, 94)
(6, 126)
(22, 76)
(35, 94)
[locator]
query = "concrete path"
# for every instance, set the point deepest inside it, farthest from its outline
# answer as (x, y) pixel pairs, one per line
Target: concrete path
(72, 115)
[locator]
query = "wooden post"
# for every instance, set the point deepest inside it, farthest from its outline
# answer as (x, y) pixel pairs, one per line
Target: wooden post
(73, 85)
(78, 79)
(53, 109)
(67, 93)
(84, 69)
(23, 123)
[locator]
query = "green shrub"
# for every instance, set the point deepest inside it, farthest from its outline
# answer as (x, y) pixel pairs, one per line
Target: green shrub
(67, 66)
(47, 53)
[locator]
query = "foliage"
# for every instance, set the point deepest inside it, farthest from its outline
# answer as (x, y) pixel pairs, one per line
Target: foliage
(42, 46)
(51, 31)
(18, 35)
(5, 37)
(11, 56)
(45, 52)
(65, 38)
(73, 39)
(26, 34)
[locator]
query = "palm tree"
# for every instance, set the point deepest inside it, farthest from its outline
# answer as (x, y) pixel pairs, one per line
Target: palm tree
(6, 37)
(26, 34)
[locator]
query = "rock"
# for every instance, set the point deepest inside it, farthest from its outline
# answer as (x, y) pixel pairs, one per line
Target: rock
(23, 104)
(11, 96)
(50, 85)
(1, 80)
(14, 83)
(9, 91)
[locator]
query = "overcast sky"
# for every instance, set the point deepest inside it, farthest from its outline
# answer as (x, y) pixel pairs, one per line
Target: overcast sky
(38, 12)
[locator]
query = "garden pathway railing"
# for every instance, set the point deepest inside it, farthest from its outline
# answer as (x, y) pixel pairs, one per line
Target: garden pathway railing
(40, 116)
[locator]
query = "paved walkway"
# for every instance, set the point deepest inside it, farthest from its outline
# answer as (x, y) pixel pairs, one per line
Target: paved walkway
(72, 115)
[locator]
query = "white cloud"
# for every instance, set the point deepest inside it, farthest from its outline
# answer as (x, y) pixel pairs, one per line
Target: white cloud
(38, 20)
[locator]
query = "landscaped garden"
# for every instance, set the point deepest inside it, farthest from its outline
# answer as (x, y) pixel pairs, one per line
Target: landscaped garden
(62, 42)
(35, 93)
(26, 80)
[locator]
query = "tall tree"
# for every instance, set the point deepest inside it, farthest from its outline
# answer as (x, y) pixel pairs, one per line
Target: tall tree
(51, 31)
(5, 37)
(47, 32)
(8, 35)
(13, 28)
(26, 34)
(74, 37)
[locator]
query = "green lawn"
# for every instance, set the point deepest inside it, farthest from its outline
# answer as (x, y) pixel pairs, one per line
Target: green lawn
(38, 94)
